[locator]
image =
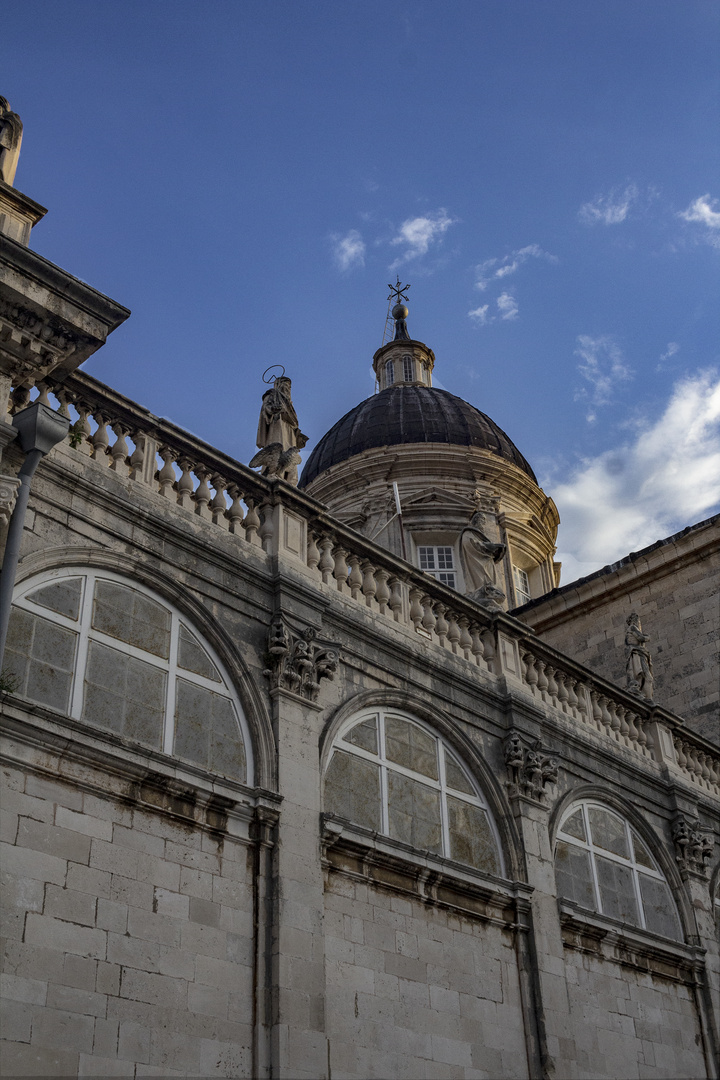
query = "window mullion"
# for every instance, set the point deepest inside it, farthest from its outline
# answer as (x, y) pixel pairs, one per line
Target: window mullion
(384, 796)
(591, 847)
(443, 800)
(169, 731)
(82, 647)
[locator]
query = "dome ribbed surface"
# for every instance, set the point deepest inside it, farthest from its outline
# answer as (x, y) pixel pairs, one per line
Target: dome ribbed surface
(410, 414)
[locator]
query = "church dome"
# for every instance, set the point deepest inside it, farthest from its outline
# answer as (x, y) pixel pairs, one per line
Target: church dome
(408, 413)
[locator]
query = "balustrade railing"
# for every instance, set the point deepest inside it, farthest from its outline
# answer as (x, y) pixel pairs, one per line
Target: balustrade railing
(133, 443)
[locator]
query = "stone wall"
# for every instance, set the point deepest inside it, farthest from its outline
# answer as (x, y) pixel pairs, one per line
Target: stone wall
(674, 586)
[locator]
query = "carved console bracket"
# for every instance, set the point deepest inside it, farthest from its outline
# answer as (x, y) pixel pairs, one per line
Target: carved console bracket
(530, 768)
(693, 846)
(8, 492)
(297, 660)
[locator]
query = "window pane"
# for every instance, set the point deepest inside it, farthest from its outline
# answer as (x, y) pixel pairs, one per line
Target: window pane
(659, 907)
(124, 694)
(130, 616)
(227, 750)
(608, 831)
(471, 840)
(617, 892)
(364, 735)
(427, 558)
(207, 731)
(352, 789)
(455, 775)
(447, 578)
(193, 657)
(410, 746)
(41, 656)
(414, 813)
(61, 596)
(575, 825)
(642, 855)
(573, 874)
(445, 558)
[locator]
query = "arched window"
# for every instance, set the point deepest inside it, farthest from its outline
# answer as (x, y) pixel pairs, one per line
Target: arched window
(107, 651)
(602, 864)
(391, 774)
(389, 373)
(408, 369)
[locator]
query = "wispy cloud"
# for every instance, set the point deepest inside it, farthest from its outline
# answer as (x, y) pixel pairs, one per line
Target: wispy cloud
(418, 234)
(508, 306)
(603, 367)
(627, 498)
(609, 209)
(348, 250)
(671, 349)
(702, 212)
(480, 315)
(496, 269)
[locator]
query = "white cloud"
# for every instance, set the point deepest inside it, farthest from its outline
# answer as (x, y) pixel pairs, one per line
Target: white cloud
(508, 306)
(418, 233)
(609, 209)
(703, 212)
(481, 315)
(494, 269)
(348, 250)
(671, 349)
(629, 497)
(602, 366)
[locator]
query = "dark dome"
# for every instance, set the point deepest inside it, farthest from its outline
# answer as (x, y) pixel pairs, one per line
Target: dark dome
(410, 414)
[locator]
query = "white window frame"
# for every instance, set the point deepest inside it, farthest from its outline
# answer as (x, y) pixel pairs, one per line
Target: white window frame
(632, 864)
(85, 633)
(522, 587)
(438, 570)
(440, 784)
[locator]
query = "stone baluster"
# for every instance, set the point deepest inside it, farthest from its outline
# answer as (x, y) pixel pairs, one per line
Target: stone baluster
(100, 440)
(572, 701)
(218, 506)
(202, 495)
(466, 641)
(185, 486)
(562, 691)
(680, 754)
(137, 458)
(615, 722)
(478, 649)
(552, 689)
(596, 714)
(395, 603)
(606, 718)
(43, 397)
(583, 708)
(490, 651)
(416, 608)
(327, 563)
(235, 512)
(369, 585)
(453, 631)
(441, 623)
(649, 743)
(382, 594)
(641, 735)
(120, 451)
(266, 531)
(251, 524)
(530, 674)
(80, 435)
(340, 568)
(65, 399)
(355, 577)
(313, 552)
(632, 731)
(429, 618)
(166, 475)
(542, 679)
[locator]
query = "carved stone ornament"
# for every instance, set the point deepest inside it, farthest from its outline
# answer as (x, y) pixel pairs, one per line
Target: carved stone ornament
(297, 661)
(530, 768)
(693, 846)
(8, 492)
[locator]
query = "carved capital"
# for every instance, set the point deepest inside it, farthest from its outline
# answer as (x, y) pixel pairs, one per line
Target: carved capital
(530, 768)
(693, 846)
(298, 660)
(8, 493)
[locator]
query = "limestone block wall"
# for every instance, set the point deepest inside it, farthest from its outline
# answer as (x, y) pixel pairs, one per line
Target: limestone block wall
(130, 939)
(631, 1024)
(414, 990)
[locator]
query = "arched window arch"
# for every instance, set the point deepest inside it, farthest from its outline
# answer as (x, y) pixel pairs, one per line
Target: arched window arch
(391, 773)
(110, 652)
(602, 864)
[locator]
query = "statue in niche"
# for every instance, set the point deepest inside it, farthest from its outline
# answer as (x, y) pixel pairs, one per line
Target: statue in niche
(480, 557)
(279, 436)
(638, 662)
(10, 138)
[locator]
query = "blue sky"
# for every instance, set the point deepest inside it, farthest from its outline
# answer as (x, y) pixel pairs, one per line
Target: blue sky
(247, 177)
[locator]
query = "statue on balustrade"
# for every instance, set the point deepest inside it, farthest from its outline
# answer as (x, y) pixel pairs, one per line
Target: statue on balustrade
(279, 436)
(638, 662)
(10, 138)
(480, 556)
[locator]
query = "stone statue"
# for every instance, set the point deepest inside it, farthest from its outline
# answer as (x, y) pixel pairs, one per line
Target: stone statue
(479, 558)
(10, 138)
(279, 437)
(638, 662)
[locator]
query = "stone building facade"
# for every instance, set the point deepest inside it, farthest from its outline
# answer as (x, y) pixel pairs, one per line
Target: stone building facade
(280, 803)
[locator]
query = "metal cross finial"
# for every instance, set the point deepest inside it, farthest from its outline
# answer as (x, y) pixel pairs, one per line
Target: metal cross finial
(398, 291)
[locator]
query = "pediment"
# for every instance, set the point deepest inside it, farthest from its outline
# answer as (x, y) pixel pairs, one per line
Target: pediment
(433, 498)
